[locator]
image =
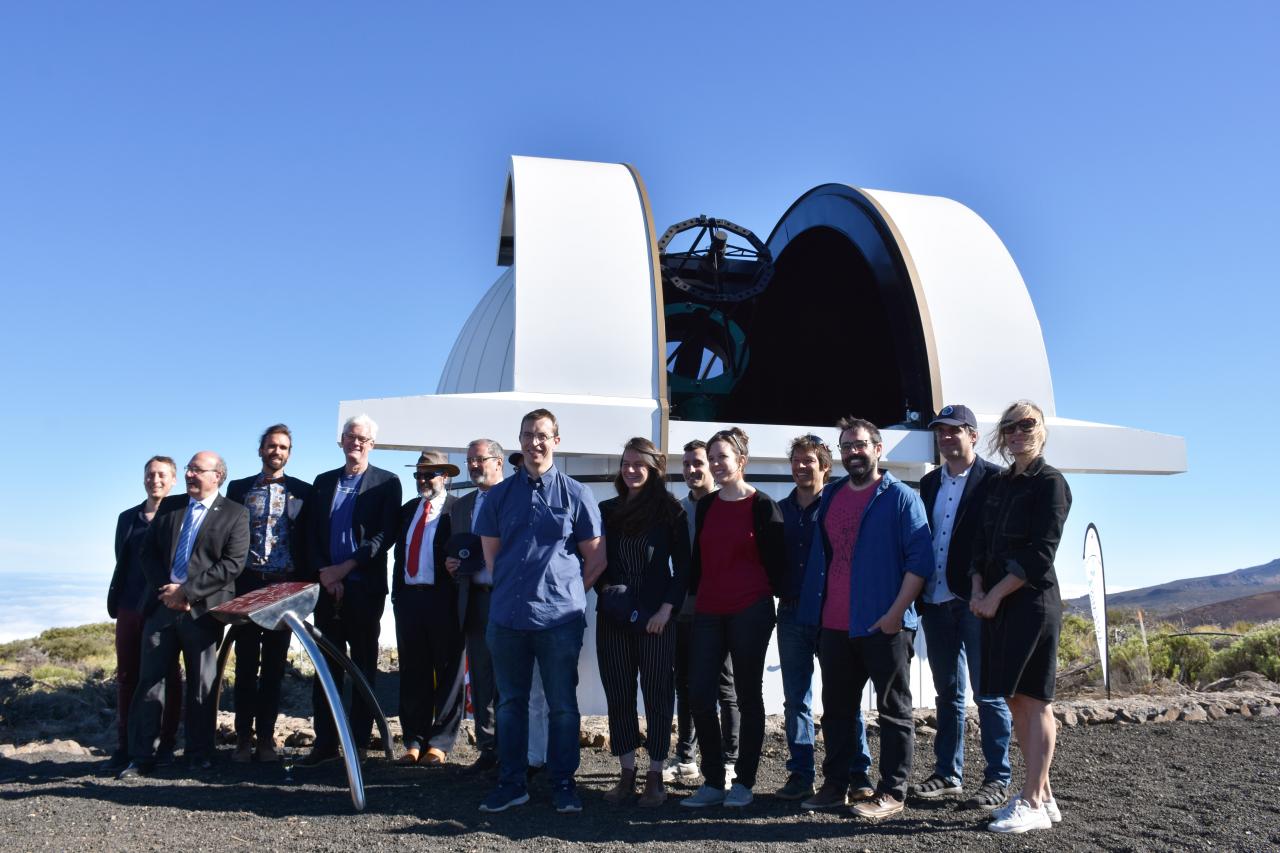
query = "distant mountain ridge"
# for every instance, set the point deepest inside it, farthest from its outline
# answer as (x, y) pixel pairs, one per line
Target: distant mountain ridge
(1263, 607)
(1189, 593)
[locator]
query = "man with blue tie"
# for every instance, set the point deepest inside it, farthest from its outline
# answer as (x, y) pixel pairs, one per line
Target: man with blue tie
(192, 553)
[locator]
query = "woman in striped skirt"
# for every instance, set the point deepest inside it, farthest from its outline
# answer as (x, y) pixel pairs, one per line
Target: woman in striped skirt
(647, 542)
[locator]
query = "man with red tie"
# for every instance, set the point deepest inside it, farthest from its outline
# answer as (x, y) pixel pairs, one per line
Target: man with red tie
(428, 626)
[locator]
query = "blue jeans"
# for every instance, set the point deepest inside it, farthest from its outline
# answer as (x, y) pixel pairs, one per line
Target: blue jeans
(556, 652)
(797, 647)
(953, 636)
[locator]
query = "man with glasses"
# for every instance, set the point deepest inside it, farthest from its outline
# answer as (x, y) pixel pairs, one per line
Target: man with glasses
(428, 630)
(350, 526)
(275, 501)
(541, 535)
(192, 553)
(954, 495)
(810, 460)
(869, 561)
(484, 466)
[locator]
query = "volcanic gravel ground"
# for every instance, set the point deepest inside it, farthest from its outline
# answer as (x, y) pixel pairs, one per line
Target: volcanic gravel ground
(1175, 786)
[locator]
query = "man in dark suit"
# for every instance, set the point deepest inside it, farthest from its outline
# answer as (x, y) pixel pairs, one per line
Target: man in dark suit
(350, 526)
(126, 600)
(953, 496)
(484, 467)
(275, 502)
(192, 553)
(428, 629)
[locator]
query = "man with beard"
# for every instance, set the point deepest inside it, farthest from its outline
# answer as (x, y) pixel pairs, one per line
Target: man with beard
(428, 631)
(683, 764)
(484, 467)
(275, 501)
(866, 568)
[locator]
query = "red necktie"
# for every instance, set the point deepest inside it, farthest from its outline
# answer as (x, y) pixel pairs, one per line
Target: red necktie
(415, 542)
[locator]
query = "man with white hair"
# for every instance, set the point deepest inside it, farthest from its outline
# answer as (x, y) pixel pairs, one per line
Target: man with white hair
(191, 555)
(351, 525)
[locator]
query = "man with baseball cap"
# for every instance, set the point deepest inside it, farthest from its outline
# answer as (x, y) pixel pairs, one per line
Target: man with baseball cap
(953, 496)
(428, 630)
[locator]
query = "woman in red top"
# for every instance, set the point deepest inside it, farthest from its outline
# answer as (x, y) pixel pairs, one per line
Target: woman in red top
(739, 561)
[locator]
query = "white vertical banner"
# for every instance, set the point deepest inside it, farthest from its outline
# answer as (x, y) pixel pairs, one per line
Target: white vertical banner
(1096, 578)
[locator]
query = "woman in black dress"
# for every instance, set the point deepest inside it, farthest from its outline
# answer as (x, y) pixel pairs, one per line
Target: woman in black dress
(647, 542)
(1015, 590)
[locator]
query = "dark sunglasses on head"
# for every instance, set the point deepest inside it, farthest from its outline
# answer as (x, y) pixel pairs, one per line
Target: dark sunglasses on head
(1026, 425)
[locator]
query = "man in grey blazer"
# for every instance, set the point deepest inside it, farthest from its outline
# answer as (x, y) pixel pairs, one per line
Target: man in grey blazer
(484, 466)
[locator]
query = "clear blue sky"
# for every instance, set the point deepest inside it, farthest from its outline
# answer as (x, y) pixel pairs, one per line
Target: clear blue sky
(216, 216)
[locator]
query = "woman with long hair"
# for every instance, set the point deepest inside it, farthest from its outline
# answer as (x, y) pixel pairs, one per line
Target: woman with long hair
(647, 544)
(738, 566)
(1015, 591)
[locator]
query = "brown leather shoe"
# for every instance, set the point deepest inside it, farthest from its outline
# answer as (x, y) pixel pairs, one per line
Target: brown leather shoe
(625, 788)
(244, 750)
(411, 756)
(879, 807)
(655, 793)
(433, 757)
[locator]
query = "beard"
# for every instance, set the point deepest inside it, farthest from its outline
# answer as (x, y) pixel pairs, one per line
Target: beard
(860, 471)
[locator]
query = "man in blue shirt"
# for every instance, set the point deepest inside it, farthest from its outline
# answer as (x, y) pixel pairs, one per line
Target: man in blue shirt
(541, 534)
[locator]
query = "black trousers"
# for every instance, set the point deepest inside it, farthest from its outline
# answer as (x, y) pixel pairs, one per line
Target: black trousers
(730, 721)
(484, 686)
(352, 626)
(429, 641)
(260, 663)
(847, 663)
(625, 655)
(164, 634)
(744, 636)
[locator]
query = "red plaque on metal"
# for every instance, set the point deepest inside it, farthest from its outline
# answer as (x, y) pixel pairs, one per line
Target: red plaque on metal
(243, 608)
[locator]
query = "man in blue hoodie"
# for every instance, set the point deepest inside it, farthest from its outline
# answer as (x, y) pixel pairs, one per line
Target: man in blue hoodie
(868, 565)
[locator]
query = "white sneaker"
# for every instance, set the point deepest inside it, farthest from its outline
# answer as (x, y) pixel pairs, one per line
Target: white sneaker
(729, 776)
(1052, 810)
(1023, 818)
(1003, 812)
(738, 796)
(703, 797)
(675, 770)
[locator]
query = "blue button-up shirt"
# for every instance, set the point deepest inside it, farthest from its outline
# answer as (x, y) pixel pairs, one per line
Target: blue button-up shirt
(537, 576)
(798, 531)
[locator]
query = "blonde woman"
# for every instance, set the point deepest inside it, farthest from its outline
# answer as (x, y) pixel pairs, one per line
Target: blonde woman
(1015, 591)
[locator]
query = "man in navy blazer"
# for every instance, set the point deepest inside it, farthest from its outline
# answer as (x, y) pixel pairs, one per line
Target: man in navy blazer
(192, 553)
(351, 524)
(953, 496)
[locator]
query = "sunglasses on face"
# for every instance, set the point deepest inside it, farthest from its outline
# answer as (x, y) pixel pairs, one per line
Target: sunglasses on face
(427, 475)
(1025, 426)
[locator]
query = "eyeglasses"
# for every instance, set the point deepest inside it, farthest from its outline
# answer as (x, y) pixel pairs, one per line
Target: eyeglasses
(427, 475)
(479, 460)
(535, 437)
(191, 469)
(850, 446)
(1026, 425)
(361, 440)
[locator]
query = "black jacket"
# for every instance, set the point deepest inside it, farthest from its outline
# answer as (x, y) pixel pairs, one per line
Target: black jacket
(968, 521)
(375, 520)
(217, 555)
(124, 526)
(298, 494)
(666, 570)
(444, 529)
(770, 540)
(1022, 521)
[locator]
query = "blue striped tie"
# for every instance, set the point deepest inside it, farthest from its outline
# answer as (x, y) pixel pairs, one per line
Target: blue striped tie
(185, 540)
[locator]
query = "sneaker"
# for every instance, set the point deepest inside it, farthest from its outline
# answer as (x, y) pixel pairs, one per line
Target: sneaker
(861, 789)
(879, 807)
(1052, 810)
(676, 770)
(504, 797)
(1021, 818)
(1003, 812)
(935, 787)
(992, 795)
(797, 788)
(738, 796)
(703, 797)
(729, 775)
(566, 799)
(831, 795)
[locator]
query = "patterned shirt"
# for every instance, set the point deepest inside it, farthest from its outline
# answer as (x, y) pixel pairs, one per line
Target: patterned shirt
(268, 526)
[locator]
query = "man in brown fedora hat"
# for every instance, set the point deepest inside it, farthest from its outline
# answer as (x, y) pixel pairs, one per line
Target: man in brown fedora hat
(428, 628)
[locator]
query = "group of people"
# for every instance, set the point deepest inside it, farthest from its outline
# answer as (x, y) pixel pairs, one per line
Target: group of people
(688, 594)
